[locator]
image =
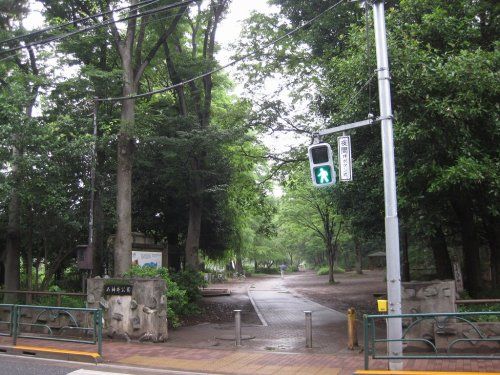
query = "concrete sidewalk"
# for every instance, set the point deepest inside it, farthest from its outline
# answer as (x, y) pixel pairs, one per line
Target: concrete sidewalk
(282, 312)
(246, 361)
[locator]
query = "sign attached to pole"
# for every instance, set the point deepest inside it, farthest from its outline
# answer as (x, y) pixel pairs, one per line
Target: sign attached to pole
(345, 160)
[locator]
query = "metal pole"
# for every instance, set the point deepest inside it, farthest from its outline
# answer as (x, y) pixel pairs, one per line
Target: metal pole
(366, 333)
(98, 316)
(15, 324)
(394, 328)
(93, 166)
(309, 334)
(237, 326)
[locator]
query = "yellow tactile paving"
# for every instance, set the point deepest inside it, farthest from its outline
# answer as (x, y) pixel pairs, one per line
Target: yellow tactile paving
(408, 372)
(57, 351)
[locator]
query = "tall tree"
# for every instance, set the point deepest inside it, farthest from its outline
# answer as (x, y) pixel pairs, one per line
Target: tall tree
(134, 61)
(201, 107)
(317, 210)
(22, 87)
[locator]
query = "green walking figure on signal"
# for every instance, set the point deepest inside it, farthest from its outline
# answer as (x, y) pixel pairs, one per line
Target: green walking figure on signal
(324, 176)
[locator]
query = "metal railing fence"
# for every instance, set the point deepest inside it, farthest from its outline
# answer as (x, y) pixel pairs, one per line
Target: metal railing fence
(63, 324)
(425, 345)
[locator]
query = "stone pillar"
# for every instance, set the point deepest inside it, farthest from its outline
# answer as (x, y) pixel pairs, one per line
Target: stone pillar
(426, 297)
(133, 309)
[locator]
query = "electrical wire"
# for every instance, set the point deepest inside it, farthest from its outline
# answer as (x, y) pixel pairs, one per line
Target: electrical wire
(55, 27)
(155, 20)
(361, 89)
(234, 62)
(101, 24)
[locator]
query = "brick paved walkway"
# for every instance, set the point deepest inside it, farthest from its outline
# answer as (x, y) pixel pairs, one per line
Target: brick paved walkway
(278, 348)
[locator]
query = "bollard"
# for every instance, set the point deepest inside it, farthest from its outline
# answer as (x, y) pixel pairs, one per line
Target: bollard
(352, 332)
(237, 326)
(309, 333)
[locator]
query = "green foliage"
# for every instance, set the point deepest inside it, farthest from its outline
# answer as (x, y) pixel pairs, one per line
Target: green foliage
(268, 271)
(66, 301)
(482, 308)
(190, 281)
(324, 270)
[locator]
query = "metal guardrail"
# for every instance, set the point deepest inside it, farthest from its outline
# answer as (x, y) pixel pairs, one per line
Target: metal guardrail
(7, 322)
(443, 323)
(21, 326)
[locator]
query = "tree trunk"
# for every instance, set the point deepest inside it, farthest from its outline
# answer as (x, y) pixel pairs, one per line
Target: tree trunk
(37, 273)
(100, 260)
(239, 261)
(359, 259)
(194, 230)
(437, 243)
(29, 257)
(13, 240)
(123, 239)
(470, 246)
(492, 236)
(406, 259)
(331, 262)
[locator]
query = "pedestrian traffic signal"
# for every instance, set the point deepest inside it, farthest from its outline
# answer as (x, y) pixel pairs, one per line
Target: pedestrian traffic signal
(321, 164)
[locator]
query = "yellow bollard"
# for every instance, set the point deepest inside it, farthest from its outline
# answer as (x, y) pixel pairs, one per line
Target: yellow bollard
(352, 332)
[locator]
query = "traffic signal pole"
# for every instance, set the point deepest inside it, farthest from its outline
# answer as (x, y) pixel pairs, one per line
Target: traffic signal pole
(394, 327)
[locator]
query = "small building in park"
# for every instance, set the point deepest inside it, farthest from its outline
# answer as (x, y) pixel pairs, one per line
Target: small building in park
(376, 260)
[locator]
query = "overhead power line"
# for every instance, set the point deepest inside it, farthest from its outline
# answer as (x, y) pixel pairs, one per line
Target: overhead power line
(55, 27)
(234, 62)
(101, 24)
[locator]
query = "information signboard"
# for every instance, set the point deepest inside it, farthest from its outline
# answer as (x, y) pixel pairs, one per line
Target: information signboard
(345, 161)
(147, 258)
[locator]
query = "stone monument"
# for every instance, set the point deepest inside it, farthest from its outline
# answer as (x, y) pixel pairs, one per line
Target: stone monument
(133, 309)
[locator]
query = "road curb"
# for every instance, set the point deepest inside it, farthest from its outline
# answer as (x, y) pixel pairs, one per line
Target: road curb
(257, 310)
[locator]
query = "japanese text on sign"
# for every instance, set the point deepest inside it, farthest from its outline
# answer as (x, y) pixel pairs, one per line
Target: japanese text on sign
(345, 161)
(118, 290)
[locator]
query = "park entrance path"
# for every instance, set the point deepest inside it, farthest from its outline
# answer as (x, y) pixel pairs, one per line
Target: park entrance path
(282, 312)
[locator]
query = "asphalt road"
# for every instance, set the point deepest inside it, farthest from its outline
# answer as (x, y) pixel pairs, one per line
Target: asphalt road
(20, 365)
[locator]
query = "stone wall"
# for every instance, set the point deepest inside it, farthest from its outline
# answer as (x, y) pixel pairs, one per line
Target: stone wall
(426, 297)
(139, 316)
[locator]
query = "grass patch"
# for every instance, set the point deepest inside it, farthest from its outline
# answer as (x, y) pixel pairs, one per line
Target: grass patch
(324, 270)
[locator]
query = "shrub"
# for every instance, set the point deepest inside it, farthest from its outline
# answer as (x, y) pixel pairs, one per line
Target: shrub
(190, 281)
(324, 270)
(66, 301)
(268, 271)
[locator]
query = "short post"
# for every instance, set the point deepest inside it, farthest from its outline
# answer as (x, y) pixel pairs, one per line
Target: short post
(308, 315)
(15, 325)
(352, 332)
(237, 326)
(98, 317)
